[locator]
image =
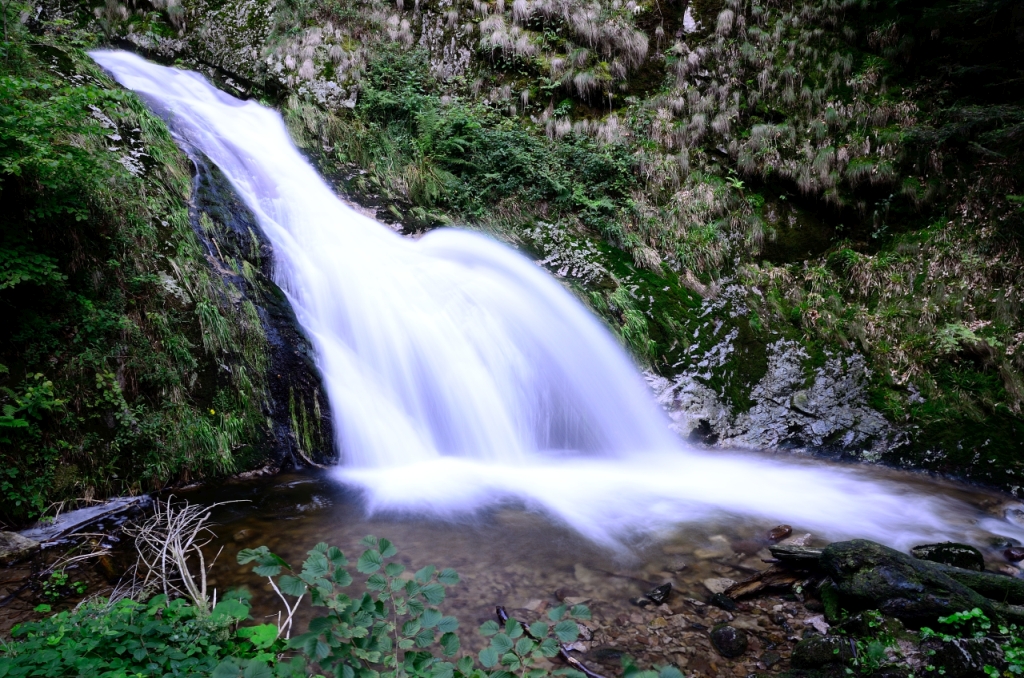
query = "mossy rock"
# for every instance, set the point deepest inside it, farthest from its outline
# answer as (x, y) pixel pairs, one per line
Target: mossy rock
(871, 576)
(951, 553)
(819, 651)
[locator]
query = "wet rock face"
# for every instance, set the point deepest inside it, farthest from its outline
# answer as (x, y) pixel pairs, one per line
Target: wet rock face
(828, 410)
(871, 576)
(15, 547)
(951, 553)
(729, 640)
(302, 428)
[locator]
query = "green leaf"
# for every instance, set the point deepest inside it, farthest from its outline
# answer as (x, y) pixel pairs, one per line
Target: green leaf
(433, 594)
(394, 569)
(539, 629)
(316, 565)
(556, 613)
(386, 548)
(257, 669)
(670, 672)
(489, 657)
(448, 624)
(226, 669)
(341, 577)
(430, 618)
(567, 631)
(292, 586)
(442, 670)
(464, 665)
(267, 570)
(376, 582)
(448, 577)
(489, 628)
(580, 612)
(502, 643)
(450, 644)
(524, 646)
(412, 627)
(369, 562)
(337, 558)
(424, 575)
(549, 647)
(230, 609)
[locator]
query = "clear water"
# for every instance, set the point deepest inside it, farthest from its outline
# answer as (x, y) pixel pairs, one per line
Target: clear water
(462, 376)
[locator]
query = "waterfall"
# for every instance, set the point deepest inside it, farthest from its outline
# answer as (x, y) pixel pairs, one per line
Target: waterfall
(460, 374)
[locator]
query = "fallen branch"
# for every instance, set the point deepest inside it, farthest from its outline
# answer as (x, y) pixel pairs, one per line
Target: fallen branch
(774, 577)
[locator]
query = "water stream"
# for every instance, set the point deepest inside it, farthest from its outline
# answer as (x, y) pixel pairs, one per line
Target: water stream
(463, 377)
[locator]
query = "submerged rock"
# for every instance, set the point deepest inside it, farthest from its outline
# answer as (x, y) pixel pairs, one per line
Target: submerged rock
(729, 640)
(1014, 554)
(14, 547)
(779, 533)
(952, 553)
(868, 575)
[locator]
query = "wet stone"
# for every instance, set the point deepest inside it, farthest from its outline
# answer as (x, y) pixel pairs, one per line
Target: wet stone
(722, 602)
(729, 640)
(953, 554)
(659, 594)
(1014, 554)
(13, 547)
(779, 533)
(770, 658)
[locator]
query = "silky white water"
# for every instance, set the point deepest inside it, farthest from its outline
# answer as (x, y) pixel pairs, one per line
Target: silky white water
(460, 374)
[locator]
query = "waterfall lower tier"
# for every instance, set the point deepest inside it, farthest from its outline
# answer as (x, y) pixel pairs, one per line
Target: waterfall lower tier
(460, 374)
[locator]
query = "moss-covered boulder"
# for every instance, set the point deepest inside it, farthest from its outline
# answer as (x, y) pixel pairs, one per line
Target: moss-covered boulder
(871, 576)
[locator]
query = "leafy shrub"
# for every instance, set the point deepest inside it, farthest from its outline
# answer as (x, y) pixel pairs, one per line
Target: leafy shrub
(127, 638)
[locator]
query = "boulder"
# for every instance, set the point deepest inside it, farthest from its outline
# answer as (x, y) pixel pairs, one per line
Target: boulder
(871, 576)
(951, 553)
(14, 547)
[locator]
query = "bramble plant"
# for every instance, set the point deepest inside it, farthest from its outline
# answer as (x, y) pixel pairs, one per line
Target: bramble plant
(365, 636)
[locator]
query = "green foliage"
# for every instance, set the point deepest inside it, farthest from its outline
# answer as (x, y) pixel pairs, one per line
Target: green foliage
(127, 638)
(395, 626)
(128, 363)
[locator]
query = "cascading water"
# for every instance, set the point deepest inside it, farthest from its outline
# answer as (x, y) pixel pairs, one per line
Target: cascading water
(460, 374)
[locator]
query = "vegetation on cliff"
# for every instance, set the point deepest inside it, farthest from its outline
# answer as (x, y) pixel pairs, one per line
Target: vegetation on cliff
(126, 360)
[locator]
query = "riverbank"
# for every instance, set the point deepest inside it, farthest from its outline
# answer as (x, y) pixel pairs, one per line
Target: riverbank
(666, 601)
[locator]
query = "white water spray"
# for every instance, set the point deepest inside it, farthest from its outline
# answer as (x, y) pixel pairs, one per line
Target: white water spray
(460, 374)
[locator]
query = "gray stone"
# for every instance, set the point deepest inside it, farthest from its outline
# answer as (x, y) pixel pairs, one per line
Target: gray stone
(14, 547)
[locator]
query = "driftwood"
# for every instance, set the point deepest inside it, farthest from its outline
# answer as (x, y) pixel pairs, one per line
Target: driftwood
(775, 576)
(563, 651)
(796, 555)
